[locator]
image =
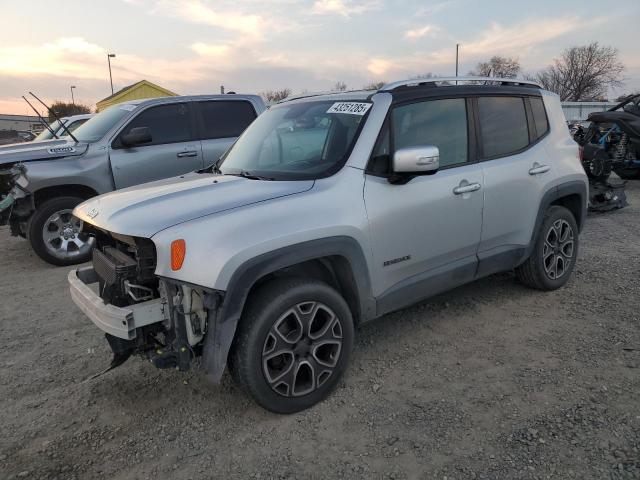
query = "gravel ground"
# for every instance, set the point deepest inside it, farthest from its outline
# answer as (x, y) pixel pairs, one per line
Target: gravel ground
(491, 380)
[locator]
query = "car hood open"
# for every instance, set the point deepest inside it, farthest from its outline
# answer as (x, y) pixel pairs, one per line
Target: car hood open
(144, 210)
(46, 150)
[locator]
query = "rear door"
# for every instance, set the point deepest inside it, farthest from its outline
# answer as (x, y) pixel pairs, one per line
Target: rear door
(174, 150)
(517, 172)
(220, 122)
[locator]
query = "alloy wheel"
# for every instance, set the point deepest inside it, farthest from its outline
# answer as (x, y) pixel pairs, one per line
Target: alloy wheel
(557, 252)
(302, 349)
(63, 237)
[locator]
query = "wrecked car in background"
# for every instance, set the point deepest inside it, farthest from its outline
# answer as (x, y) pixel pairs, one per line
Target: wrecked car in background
(128, 144)
(612, 141)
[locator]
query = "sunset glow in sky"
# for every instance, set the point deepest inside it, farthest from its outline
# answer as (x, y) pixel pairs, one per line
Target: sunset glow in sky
(194, 46)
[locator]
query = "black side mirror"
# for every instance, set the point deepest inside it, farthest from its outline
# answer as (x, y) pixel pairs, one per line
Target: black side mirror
(136, 136)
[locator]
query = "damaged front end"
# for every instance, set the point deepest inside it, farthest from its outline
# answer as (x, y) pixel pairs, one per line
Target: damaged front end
(141, 314)
(15, 200)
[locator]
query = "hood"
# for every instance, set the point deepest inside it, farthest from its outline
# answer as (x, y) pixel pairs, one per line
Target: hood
(144, 210)
(47, 150)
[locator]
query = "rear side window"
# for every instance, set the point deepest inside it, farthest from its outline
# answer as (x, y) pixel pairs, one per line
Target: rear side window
(442, 123)
(224, 119)
(503, 125)
(168, 123)
(539, 117)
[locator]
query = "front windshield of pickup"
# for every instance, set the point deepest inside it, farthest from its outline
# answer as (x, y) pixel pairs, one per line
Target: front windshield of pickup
(46, 133)
(297, 141)
(95, 128)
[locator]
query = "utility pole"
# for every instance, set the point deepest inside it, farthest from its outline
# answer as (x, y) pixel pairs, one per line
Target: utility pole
(109, 57)
(72, 99)
(457, 51)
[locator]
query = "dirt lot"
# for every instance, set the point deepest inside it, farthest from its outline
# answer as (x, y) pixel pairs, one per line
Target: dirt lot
(492, 380)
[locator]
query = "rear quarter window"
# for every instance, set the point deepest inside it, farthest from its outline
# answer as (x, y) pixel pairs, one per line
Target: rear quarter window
(503, 125)
(540, 120)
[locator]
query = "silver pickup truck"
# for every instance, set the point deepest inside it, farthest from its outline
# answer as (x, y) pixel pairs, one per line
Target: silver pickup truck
(128, 144)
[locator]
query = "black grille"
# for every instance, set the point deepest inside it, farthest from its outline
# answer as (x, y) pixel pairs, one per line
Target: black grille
(113, 266)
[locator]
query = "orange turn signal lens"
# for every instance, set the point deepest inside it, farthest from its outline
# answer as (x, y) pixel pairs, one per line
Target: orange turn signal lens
(178, 251)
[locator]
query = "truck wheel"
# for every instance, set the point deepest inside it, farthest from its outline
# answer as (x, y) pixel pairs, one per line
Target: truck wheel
(55, 234)
(554, 253)
(292, 345)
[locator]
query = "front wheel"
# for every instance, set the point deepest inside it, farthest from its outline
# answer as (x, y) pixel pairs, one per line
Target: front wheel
(554, 253)
(293, 344)
(56, 235)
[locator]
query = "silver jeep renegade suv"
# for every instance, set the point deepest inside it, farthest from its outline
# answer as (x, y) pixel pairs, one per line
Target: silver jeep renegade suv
(330, 211)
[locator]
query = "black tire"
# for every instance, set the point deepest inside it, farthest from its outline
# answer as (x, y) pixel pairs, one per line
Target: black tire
(628, 173)
(537, 270)
(36, 235)
(255, 341)
(599, 168)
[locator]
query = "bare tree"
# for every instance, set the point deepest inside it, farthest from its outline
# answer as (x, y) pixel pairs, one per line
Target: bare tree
(339, 86)
(373, 86)
(497, 66)
(272, 96)
(583, 73)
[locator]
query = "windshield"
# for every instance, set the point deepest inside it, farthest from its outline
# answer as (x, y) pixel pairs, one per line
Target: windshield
(46, 134)
(95, 128)
(297, 141)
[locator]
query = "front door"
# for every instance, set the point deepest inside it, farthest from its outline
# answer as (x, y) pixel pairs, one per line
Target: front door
(171, 152)
(424, 233)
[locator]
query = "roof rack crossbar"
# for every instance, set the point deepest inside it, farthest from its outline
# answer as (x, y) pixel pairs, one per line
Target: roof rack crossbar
(421, 81)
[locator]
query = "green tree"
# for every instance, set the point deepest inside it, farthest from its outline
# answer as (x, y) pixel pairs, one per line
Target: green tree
(64, 109)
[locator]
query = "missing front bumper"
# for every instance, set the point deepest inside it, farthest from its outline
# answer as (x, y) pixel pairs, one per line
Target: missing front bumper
(120, 322)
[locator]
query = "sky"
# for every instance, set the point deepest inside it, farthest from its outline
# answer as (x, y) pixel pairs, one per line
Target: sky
(250, 46)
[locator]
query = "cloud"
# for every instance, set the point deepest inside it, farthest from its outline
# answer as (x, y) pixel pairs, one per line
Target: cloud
(416, 33)
(345, 8)
(196, 11)
(379, 66)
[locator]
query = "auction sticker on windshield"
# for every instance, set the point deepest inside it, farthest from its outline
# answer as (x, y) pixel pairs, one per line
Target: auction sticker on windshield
(352, 108)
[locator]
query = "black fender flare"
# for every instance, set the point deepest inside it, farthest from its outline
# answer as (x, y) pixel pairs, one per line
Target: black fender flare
(562, 190)
(227, 315)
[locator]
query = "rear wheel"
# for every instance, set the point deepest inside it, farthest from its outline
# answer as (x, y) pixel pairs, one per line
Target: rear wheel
(293, 344)
(555, 252)
(56, 235)
(599, 168)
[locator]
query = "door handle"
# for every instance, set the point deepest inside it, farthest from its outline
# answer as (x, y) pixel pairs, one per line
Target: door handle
(537, 169)
(471, 187)
(189, 153)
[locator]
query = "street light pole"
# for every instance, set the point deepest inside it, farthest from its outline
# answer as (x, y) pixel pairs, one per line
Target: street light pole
(109, 57)
(457, 49)
(73, 101)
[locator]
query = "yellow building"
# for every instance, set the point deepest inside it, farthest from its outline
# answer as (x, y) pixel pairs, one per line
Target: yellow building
(137, 91)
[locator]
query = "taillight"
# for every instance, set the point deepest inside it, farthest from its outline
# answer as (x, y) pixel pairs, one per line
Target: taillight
(178, 252)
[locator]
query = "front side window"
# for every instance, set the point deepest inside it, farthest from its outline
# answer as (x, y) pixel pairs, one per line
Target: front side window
(167, 123)
(503, 125)
(225, 119)
(296, 141)
(442, 123)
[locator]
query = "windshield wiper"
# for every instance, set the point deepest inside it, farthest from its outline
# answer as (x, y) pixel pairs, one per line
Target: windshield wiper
(250, 176)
